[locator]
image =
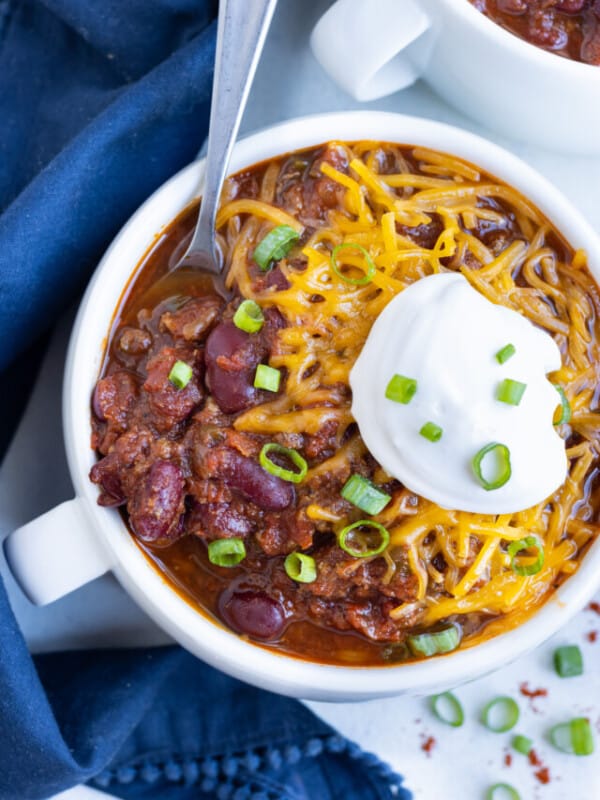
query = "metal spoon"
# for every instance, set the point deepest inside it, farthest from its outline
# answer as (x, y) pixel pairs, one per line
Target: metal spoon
(241, 31)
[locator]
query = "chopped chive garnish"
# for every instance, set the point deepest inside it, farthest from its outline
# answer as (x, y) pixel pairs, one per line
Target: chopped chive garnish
(431, 431)
(528, 567)
(226, 552)
(364, 495)
(276, 244)
(181, 374)
(248, 317)
(502, 791)
(281, 472)
(510, 392)
(447, 708)
(496, 456)
(359, 543)
(267, 378)
(433, 644)
(369, 269)
(500, 714)
(300, 567)
(522, 744)
(574, 737)
(505, 353)
(565, 408)
(568, 661)
(401, 389)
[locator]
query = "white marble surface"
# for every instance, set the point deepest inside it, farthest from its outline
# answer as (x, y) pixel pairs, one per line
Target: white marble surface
(462, 762)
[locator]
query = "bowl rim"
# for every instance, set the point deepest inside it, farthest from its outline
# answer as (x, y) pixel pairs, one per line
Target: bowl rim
(545, 58)
(201, 635)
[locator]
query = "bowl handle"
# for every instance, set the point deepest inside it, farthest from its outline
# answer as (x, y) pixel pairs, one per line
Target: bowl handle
(56, 553)
(365, 46)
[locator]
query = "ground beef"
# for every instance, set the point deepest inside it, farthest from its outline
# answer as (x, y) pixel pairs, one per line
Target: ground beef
(194, 319)
(305, 191)
(113, 400)
(168, 404)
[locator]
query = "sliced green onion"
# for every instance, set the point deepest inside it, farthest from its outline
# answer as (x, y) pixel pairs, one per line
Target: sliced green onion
(365, 550)
(502, 791)
(447, 708)
(368, 272)
(276, 244)
(431, 431)
(500, 714)
(573, 737)
(248, 317)
(300, 567)
(364, 495)
(522, 744)
(505, 353)
(281, 472)
(226, 552)
(499, 455)
(568, 661)
(513, 550)
(565, 407)
(181, 374)
(434, 643)
(401, 389)
(510, 392)
(267, 378)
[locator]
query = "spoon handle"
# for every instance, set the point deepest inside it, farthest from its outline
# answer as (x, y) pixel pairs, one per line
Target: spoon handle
(241, 32)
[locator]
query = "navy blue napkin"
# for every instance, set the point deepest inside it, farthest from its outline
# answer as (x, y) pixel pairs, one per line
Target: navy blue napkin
(100, 102)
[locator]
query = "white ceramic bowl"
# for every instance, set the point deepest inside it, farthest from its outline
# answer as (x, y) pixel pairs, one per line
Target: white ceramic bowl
(80, 540)
(507, 84)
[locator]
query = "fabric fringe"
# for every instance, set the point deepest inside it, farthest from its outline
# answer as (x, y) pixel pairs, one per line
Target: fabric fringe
(238, 777)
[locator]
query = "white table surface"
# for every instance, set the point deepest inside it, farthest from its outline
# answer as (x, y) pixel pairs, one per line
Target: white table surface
(463, 761)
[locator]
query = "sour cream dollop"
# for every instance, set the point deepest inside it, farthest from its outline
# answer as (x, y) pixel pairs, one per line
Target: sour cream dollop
(445, 335)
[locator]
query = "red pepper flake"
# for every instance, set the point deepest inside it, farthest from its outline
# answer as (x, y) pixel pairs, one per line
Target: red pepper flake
(591, 636)
(532, 694)
(595, 607)
(508, 759)
(543, 773)
(427, 744)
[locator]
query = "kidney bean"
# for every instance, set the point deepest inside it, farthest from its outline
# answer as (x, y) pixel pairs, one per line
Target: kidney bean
(247, 476)
(231, 358)
(97, 403)
(252, 612)
(571, 6)
(156, 507)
